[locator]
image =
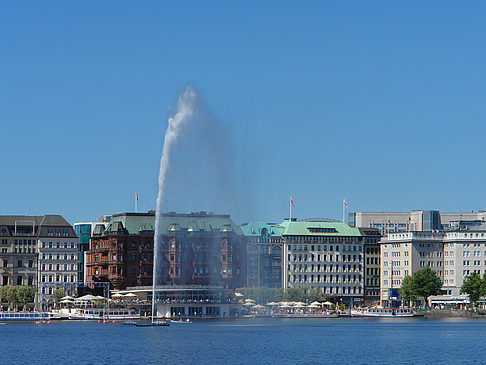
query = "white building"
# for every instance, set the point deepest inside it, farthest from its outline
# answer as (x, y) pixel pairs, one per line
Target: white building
(323, 254)
(416, 220)
(453, 254)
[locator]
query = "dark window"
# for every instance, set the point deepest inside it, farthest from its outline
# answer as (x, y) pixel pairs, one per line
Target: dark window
(19, 264)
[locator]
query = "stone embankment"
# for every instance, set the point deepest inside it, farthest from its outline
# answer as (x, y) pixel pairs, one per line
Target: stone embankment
(445, 313)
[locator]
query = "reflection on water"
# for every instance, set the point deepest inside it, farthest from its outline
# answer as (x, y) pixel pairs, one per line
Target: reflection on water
(249, 341)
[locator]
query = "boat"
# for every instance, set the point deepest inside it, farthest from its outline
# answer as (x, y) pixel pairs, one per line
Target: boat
(317, 315)
(381, 312)
(27, 316)
(152, 324)
(181, 321)
(103, 314)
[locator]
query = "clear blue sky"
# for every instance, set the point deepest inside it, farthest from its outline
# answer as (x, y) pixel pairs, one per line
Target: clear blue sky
(379, 102)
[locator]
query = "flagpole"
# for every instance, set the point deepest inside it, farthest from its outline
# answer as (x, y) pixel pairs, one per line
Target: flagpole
(290, 206)
(136, 202)
(343, 210)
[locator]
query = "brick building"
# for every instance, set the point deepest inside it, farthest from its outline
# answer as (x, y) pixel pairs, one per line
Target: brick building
(195, 249)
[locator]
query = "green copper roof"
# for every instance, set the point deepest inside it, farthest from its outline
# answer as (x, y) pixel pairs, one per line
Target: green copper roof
(255, 228)
(296, 228)
(135, 223)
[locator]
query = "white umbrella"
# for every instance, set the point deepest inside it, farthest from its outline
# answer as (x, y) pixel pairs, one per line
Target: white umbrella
(249, 303)
(239, 295)
(117, 295)
(249, 300)
(258, 306)
(316, 303)
(272, 303)
(313, 306)
(327, 303)
(87, 297)
(284, 306)
(130, 295)
(299, 306)
(66, 301)
(67, 297)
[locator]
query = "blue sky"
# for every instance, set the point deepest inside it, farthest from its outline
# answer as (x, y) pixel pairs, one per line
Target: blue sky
(378, 102)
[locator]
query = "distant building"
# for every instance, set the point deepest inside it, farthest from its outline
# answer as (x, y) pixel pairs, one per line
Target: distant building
(39, 251)
(196, 249)
(84, 231)
(416, 220)
(454, 253)
(324, 254)
(371, 271)
(264, 254)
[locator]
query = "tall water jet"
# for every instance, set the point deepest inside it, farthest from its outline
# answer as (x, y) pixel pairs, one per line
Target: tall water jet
(184, 113)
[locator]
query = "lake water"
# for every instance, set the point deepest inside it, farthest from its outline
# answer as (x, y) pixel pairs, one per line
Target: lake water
(249, 341)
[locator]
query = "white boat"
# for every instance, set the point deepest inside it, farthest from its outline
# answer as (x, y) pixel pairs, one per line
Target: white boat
(27, 316)
(103, 314)
(381, 312)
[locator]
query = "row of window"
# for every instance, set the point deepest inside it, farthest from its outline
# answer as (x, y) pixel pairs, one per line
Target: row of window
(58, 267)
(323, 268)
(20, 280)
(58, 245)
(58, 278)
(58, 256)
(299, 278)
(20, 263)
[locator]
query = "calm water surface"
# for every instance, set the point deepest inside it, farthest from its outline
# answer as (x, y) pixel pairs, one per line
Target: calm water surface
(249, 341)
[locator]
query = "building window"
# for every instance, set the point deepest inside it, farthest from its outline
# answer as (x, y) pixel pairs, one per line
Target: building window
(19, 280)
(19, 263)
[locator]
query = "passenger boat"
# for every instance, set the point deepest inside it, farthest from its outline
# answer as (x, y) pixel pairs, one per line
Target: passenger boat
(381, 312)
(102, 313)
(27, 316)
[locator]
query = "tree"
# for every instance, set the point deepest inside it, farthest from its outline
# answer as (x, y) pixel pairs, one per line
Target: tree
(473, 285)
(3, 293)
(314, 294)
(426, 283)
(11, 295)
(25, 294)
(408, 291)
(58, 295)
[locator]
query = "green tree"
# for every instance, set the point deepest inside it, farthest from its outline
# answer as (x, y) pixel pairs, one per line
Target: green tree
(11, 296)
(295, 294)
(427, 283)
(58, 294)
(25, 294)
(314, 294)
(473, 285)
(408, 291)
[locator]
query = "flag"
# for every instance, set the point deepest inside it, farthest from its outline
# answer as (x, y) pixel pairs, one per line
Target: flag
(344, 201)
(136, 195)
(292, 202)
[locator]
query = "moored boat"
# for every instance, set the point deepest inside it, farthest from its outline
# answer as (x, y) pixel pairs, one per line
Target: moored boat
(381, 312)
(27, 316)
(103, 314)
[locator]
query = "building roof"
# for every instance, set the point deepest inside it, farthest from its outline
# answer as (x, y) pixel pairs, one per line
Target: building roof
(136, 223)
(254, 229)
(40, 224)
(316, 228)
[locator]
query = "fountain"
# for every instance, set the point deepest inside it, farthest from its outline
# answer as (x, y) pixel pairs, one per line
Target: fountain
(184, 113)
